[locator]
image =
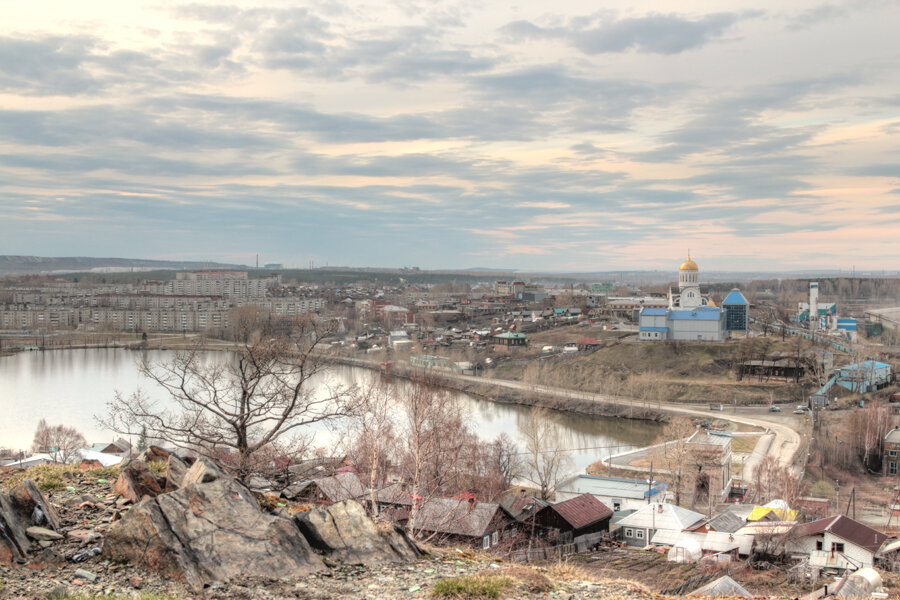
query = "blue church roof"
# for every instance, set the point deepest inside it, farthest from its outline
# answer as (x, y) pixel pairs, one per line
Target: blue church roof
(701, 313)
(735, 297)
(654, 312)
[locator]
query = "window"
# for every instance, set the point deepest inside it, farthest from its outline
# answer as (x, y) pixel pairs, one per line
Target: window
(892, 467)
(515, 532)
(495, 537)
(486, 542)
(837, 547)
(639, 534)
(629, 532)
(818, 544)
(617, 506)
(892, 453)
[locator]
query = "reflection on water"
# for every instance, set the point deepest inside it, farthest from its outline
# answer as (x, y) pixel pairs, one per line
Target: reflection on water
(73, 387)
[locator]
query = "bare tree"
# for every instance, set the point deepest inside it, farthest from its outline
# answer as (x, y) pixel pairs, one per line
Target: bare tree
(436, 441)
(676, 452)
(369, 437)
(507, 459)
(545, 458)
(61, 442)
(233, 409)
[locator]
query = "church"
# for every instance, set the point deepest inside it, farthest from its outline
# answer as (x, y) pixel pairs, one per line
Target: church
(691, 316)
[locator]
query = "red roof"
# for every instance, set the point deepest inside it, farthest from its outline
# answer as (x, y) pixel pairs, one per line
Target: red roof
(588, 342)
(845, 528)
(582, 510)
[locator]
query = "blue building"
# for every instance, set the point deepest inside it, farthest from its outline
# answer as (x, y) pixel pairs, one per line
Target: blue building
(703, 323)
(737, 311)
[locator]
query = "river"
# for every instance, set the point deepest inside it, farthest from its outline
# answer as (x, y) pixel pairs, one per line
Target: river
(73, 387)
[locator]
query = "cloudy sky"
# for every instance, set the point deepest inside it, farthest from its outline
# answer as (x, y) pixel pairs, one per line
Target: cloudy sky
(530, 134)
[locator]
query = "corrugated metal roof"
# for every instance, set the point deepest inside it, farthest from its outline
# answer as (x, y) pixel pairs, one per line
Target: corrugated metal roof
(614, 487)
(654, 328)
(772, 514)
(582, 511)
(654, 312)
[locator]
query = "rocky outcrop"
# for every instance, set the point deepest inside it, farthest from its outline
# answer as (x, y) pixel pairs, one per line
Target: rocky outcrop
(176, 469)
(137, 482)
(346, 534)
(210, 532)
(25, 507)
(203, 471)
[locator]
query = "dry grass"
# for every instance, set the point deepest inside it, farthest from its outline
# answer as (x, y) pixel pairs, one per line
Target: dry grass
(526, 578)
(744, 443)
(474, 587)
(49, 478)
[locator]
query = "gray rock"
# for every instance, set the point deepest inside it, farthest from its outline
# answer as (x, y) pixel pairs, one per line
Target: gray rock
(175, 472)
(210, 532)
(85, 575)
(43, 534)
(203, 471)
(346, 533)
(19, 510)
(137, 482)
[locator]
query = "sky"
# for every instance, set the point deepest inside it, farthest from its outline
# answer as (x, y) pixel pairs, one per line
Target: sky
(561, 136)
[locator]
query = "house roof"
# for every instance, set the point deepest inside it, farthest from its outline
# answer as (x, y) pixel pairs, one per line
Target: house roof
(735, 297)
(456, 517)
(396, 493)
(893, 436)
(588, 341)
(613, 487)
(522, 505)
(662, 516)
(581, 511)
(654, 312)
(511, 335)
(845, 528)
(343, 486)
(726, 521)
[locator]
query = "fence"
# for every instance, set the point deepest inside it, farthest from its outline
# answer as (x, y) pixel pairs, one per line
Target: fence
(582, 543)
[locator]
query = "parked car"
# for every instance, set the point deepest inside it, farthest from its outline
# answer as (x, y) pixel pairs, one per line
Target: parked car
(800, 411)
(774, 408)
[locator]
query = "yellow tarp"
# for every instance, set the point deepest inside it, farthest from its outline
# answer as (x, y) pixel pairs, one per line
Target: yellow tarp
(761, 512)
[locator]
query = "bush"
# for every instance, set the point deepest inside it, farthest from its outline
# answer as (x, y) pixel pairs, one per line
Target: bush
(474, 587)
(822, 489)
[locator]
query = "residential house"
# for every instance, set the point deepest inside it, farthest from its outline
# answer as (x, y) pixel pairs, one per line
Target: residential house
(835, 542)
(484, 525)
(891, 452)
(327, 490)
(616, 493)
(118, 447)
(724, 522)
(638, 528)
(574, 517)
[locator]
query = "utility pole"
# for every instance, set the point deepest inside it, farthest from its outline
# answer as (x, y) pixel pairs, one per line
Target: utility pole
(650, 484)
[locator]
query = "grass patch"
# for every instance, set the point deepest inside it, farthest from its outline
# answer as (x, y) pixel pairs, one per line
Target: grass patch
(744, 443)
(50, 478)
(474, 587)
(525, 578)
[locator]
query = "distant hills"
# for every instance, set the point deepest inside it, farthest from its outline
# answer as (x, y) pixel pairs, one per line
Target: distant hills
(36, 265)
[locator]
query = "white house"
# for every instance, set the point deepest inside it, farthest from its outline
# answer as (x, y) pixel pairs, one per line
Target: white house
(639, 528)
(615, 492)
(835, 542)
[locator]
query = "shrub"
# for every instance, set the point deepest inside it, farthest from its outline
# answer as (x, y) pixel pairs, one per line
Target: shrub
(474, 587)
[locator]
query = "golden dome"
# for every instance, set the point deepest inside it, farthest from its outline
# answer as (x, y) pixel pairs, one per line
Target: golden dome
(688, 265)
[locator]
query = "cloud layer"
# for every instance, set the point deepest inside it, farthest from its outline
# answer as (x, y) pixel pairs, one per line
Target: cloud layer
(451, 134)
